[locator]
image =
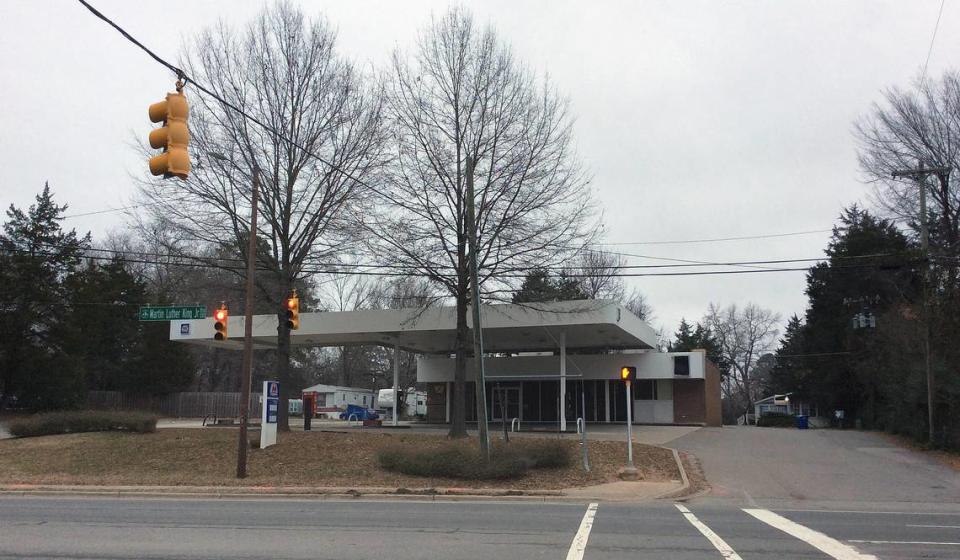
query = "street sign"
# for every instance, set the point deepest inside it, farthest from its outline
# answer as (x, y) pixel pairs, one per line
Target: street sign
(173, 313)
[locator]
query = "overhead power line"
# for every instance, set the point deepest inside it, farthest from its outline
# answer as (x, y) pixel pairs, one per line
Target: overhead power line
(936, 26)
(207, 259)
(400, 271)
(718, 239)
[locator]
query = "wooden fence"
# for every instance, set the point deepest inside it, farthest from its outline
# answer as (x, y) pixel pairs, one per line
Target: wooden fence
(179, 405)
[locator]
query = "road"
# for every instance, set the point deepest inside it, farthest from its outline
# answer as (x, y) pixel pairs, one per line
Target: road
(83, 527)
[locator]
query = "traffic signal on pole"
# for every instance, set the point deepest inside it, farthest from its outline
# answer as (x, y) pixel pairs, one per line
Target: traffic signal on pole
(220, 317)
(293, 311)
(628, 373)
(173, 137)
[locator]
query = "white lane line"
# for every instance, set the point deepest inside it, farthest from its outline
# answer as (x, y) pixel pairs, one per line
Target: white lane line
(937, 526)
(714, 538)
(871, 512)
(818, 540)
(908, 542)
(579, 543)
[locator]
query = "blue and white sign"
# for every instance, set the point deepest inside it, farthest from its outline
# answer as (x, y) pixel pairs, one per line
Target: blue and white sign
(268, 416)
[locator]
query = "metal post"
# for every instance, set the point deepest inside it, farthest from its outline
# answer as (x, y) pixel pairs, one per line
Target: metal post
(583, 431)
(396, 380)
(481, 392)
(247, 365)
(629, 427)
(563, 381)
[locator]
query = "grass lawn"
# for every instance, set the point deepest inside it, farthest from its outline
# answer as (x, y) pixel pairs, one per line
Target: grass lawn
(205, 457)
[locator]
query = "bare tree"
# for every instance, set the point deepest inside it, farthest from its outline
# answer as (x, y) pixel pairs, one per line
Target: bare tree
(463, 95)
(284, 71)
(636, 302)
(600, 276)
(921, 123)
(743, 336)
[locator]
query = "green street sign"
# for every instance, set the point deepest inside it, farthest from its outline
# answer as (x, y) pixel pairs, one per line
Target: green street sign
(173, 313)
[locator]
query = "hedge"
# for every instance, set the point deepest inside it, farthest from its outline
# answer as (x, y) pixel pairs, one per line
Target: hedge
(82, 421)
(775, 420)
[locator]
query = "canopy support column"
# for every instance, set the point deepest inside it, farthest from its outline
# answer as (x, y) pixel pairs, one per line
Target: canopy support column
(563, 380)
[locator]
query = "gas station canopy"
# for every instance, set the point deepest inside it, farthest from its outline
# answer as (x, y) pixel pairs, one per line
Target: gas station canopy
(587, 325)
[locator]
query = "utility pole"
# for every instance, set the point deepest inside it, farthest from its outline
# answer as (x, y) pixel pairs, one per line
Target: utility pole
(247, 367)
(481, 385)
(920, 174)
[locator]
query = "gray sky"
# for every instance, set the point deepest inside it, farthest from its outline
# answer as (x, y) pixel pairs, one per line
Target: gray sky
(697, 119)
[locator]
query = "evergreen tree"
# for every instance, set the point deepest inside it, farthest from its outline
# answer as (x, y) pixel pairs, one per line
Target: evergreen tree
(688, 339)
(539, 287)
(37, 256)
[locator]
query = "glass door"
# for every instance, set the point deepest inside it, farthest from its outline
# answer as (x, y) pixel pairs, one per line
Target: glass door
(505, 395)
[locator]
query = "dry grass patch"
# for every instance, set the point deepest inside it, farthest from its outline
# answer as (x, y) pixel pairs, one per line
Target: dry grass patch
(208, 457)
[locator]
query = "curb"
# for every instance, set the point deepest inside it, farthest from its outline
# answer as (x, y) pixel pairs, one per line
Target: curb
(679, 492)
(318, 493)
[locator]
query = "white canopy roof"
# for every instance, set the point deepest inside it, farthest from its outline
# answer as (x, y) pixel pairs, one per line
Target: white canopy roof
(587, 324)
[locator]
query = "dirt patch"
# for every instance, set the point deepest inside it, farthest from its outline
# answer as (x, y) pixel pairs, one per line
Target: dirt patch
(949, 458)
(197, 457)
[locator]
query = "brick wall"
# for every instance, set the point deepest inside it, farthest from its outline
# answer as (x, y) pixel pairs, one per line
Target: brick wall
(688, 401)
(714, 414)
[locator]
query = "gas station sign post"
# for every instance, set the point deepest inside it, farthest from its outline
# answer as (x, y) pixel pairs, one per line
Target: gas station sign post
(268, 413)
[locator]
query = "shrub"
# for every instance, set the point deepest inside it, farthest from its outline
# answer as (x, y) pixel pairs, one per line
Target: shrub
(68, 422)
(776, 420)
(452, 461)
(543, 454)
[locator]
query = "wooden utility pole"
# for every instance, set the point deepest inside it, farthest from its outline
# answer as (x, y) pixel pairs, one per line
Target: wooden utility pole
(920, 174)
(481, 385)
(247, 366)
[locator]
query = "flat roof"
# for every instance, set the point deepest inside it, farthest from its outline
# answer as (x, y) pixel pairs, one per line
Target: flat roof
(534, 327)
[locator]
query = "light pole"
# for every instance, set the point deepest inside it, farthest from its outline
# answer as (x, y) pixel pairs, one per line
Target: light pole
(246, 373)
(920, 174)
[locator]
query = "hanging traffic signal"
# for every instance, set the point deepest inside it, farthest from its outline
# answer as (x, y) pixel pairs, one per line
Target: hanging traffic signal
(173, 137)
(220, 317)
(628, 373)
(293, 311)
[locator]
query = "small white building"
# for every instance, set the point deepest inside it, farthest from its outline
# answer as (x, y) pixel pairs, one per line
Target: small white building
(416, 401)
(785, 404)
(327, 398)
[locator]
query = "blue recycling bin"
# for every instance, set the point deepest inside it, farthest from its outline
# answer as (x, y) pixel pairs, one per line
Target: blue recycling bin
(802, 423)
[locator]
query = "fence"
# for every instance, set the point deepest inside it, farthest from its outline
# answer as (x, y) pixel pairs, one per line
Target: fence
(182, 405)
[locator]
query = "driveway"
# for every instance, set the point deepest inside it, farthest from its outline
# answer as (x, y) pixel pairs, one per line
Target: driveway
(755, 464)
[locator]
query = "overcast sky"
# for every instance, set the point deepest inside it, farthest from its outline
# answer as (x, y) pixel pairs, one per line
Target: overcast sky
(696, 119)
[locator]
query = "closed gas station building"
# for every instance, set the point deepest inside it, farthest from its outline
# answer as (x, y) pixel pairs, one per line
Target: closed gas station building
(544, 363)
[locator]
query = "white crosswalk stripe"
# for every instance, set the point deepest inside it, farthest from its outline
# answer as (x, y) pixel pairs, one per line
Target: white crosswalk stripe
(818, 540)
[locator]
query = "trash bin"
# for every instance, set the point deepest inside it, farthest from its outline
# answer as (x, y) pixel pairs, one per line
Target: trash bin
(802, 423)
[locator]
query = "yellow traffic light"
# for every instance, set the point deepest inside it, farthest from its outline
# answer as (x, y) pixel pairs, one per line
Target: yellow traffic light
(293, 311)
(173, 137)
(628, 373)
(220, 317)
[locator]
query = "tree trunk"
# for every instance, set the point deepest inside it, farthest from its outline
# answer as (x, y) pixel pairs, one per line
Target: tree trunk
(458, 406)
(343, 379)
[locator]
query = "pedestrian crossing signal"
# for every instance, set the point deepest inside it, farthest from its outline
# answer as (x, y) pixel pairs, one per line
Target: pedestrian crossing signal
(628, 373)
